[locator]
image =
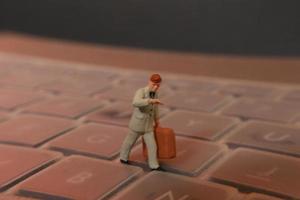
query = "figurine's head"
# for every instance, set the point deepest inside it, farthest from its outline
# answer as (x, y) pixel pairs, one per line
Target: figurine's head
(154, 82)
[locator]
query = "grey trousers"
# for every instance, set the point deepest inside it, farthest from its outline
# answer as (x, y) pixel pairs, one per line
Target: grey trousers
(150, 143)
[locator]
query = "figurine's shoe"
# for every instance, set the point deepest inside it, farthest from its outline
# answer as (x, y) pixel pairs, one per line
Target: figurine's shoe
(124, 162)
(158, 169)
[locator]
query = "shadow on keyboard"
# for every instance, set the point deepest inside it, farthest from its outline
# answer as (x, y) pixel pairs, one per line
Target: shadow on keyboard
(62, 125)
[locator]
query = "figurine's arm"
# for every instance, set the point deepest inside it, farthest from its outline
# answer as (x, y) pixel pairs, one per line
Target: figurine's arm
(139, 101)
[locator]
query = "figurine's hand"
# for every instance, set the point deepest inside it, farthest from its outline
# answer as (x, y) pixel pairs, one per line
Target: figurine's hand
(155, 101)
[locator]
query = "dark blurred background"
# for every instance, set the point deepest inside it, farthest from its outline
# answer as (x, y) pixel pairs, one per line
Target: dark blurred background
(255, 27)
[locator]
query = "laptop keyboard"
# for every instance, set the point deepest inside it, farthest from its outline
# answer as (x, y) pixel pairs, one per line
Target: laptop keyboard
(62, 125)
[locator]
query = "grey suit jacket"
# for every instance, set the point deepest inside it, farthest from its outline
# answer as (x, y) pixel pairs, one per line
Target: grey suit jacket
(144, 113)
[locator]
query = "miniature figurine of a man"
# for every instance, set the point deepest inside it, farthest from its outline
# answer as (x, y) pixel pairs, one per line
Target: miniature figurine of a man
(144, 118)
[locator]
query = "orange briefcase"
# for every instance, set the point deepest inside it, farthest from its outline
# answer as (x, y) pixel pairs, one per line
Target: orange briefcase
(166, 144)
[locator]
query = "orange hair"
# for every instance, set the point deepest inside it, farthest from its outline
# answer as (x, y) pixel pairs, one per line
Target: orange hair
(155, 78)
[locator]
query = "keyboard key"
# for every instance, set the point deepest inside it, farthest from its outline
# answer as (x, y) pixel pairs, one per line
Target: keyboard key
(267, 136)
(261, 171)
(24, 76)
(162, 185)
(198, 125)
(194, 101)
(117, 93)
(293, 95)
(134, 82)
(192, 156)
(4, 66)
(118, 113)
(191, 85)
(6, 197)
(80, 73)
(95, 140)
(248, 90)
(12, 98)
(78, 177)
(2, 115)
(297, 121)
(16, 163)
(255, 196)
(265, 110)
(76, 86)
(32, 130)
(66, 106)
